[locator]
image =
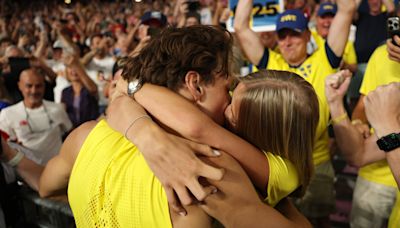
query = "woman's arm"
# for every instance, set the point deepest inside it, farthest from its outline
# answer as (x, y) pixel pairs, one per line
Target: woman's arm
(187, 120)
(171, 158)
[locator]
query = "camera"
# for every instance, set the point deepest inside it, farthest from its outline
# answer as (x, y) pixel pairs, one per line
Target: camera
(393, 28)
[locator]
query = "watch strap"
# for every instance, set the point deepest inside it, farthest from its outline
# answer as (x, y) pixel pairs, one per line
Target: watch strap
(389, 142)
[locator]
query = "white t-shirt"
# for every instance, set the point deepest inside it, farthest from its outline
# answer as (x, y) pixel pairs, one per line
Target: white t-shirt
(40, 129)
(100, 70)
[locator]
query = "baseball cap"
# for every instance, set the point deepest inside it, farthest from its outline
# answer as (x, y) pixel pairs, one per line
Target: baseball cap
(327, 8)
(154, 18)
(293, 19)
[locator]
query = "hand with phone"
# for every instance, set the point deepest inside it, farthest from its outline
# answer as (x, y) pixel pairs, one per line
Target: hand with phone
(393, 42)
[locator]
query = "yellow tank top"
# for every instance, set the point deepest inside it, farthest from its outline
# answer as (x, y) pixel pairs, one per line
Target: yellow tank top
(111, 185)
(283, 179)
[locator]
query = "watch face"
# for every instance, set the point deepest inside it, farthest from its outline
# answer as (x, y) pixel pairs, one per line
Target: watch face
(389, 142)
(133, 87)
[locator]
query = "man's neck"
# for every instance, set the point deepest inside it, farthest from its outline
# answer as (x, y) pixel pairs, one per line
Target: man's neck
(33, 105)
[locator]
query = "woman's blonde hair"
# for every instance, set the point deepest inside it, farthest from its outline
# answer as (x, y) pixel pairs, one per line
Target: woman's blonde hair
(279, 113)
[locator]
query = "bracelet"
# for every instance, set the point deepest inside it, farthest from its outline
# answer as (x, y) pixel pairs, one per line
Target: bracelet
(337, 119)
(356, 121)
(133, 122)
(16, 159)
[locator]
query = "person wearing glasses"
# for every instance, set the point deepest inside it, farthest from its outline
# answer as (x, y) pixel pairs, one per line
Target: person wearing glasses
(33, 124)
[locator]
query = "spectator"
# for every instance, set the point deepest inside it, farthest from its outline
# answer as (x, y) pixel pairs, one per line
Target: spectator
(80, 99)
(371, 23)
(380, 71)
(325, 15)
(35, 123)
(293, 36)
(99, 65)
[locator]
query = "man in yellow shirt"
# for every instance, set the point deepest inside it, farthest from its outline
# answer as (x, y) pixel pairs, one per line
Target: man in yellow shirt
(293, 36)
(380, 71)
(325, 15)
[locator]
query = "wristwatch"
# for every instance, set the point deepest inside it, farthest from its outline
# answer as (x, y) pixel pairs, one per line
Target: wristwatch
(389, 142)
(134, 86)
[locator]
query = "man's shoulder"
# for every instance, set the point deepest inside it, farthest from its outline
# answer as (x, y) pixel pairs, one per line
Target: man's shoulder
(15, 108)
(380, 52)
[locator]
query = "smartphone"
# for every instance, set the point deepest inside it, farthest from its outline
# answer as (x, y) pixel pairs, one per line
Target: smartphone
(18, 64)
(393, 28)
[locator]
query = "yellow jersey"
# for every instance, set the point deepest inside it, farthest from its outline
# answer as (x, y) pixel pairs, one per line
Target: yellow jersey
(111, 184)
(314, 69)
(349, 53)
(380, 71)
(283, 179)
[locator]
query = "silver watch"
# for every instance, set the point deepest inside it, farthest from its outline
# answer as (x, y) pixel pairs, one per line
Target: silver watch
(133, 87)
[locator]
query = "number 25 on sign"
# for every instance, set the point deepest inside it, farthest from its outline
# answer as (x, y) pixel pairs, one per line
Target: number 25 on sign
(264, 14)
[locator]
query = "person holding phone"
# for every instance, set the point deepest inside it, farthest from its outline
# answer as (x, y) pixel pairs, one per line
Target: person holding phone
(375, 190)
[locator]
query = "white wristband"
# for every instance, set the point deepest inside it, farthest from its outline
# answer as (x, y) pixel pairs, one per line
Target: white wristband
(16, 159)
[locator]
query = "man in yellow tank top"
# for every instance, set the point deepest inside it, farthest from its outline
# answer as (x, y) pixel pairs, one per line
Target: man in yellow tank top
(293, 36)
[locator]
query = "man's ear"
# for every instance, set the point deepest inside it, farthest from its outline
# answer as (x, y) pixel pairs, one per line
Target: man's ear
(192, 81)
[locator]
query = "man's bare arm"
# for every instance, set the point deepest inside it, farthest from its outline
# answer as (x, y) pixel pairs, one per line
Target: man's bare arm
(383, 112)
(55, 177)
(340, 28)
(249, 40)
(357, 149)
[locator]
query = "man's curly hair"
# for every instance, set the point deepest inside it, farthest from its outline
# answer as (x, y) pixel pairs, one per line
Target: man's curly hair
(168, 57)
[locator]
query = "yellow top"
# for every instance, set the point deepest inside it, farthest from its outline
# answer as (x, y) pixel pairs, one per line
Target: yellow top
(349, 54)
(380, 71)
(112, 186)
(394, 220)
(315, 69)
(283, 179)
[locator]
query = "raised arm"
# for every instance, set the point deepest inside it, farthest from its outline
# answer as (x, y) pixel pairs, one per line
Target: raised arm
(383, 112)
(249, 40)
(73, 62)
(356, 149)
(340, 28)
(55, 177)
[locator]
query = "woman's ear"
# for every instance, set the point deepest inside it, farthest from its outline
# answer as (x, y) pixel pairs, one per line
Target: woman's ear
(193, 81)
